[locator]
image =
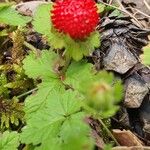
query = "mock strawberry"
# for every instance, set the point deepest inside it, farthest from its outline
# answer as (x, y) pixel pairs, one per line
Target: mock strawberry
(78, 18)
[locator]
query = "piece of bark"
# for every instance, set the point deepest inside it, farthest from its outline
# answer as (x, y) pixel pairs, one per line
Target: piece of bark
(126, 138)
(136, 90)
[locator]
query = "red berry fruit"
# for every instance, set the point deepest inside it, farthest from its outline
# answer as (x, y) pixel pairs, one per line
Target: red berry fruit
(78, 18)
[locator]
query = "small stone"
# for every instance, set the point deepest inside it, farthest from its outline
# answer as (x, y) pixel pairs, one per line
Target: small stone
(118, 58)
(136, 90)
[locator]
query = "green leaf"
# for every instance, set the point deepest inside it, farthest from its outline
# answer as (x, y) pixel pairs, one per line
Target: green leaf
(42, 21)
(9, 141)
(39, 100)
(146, 56)
(40, 65)
(72, 129)
(57, 124)
(116, 13)
(77, 72)
(10, 16)
(5, 5)
(51, 109)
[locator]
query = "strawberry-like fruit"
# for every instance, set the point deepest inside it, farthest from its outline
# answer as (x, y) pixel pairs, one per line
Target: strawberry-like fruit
(78, 18)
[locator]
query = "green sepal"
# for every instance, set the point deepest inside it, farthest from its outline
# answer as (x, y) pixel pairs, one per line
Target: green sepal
(42, 22)
(75, 49)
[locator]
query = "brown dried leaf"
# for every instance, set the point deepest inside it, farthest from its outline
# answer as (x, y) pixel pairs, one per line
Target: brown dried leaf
(126, 138)
(130, 148)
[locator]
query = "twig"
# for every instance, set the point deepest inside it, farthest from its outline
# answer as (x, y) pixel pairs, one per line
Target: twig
(125, 11)
(146, 4)
(142, 13)
(26, 93)
(138, 11)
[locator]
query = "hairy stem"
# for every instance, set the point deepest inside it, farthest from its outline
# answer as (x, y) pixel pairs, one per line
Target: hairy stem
(108, 131)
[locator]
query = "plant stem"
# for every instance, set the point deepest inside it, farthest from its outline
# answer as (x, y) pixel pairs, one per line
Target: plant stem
(108, 131)
(96, 116)
(26, 93)
(67, 63)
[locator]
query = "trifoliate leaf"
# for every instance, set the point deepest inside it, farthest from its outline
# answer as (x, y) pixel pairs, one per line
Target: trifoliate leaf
(58, 124)
(146, 56)
(41, 66)
(9, 141)
(42, 22)
(10, 16)
(51, 109)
